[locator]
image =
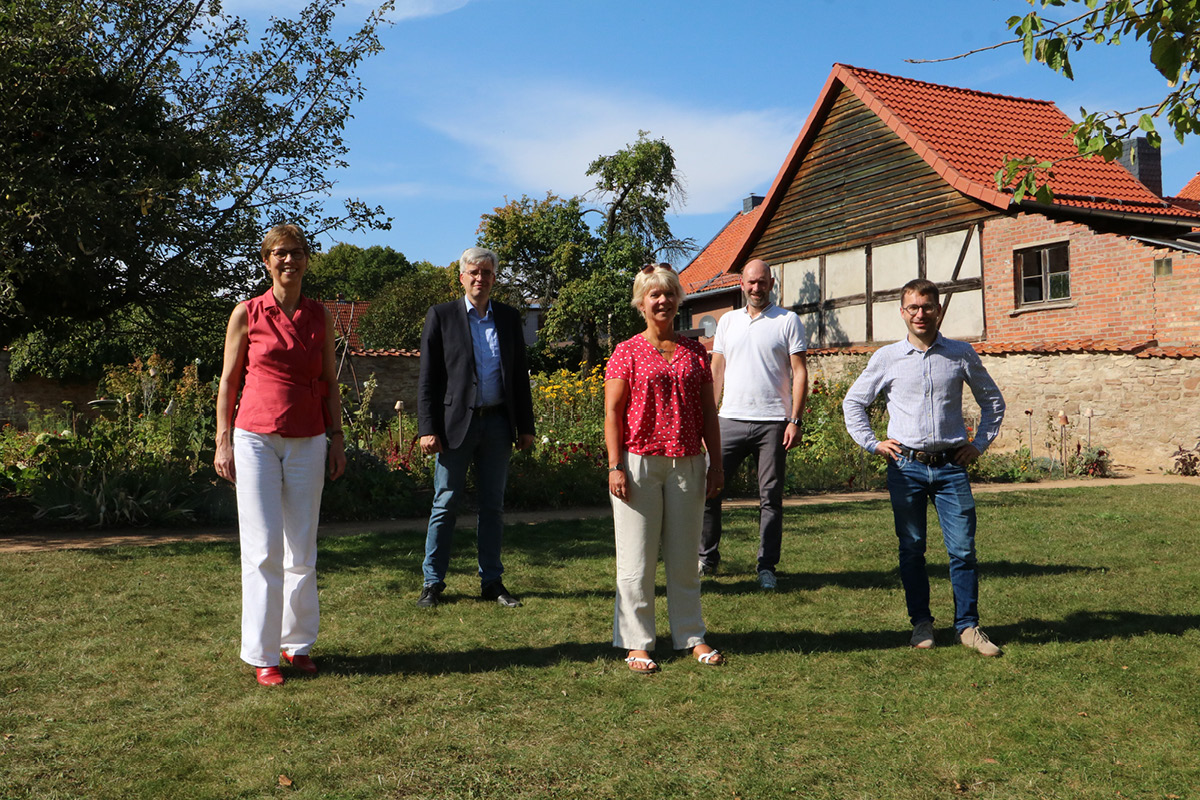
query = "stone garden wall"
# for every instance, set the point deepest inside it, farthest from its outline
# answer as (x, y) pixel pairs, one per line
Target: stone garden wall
(1143, 408)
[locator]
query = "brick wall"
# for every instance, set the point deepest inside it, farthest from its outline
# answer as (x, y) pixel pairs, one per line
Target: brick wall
(1144, 408)
(1115, 294)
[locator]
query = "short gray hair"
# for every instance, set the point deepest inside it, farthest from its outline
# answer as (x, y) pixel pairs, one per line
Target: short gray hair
(477, 255)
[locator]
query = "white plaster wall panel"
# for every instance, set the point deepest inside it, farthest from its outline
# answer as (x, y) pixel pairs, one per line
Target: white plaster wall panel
(893, 265)
(889, 326)
(800, 282)
(812, 330)
(964, 316)
(846, 325)
(941, 254)
(845, 273)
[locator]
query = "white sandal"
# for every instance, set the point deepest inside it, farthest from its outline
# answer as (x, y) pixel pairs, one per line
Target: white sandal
(709, 659)
(651, 666)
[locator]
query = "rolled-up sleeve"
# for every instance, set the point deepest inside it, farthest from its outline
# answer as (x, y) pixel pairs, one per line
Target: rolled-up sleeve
(861, 394)
(991, 402)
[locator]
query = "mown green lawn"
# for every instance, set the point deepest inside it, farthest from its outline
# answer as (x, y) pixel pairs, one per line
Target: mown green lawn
(119, 675)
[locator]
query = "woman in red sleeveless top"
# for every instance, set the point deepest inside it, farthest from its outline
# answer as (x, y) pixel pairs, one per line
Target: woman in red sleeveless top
(271, 443)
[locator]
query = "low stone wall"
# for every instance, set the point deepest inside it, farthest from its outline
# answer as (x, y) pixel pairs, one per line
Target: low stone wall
(1143, 409)
(45, 394)
(396, 378)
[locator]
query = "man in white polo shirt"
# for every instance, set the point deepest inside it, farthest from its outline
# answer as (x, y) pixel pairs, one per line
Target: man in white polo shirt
(760, 378)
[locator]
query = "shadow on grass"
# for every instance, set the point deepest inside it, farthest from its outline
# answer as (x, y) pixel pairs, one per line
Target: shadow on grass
(888, 579)
(465, 661)
(1090, 626)
(1083, 626)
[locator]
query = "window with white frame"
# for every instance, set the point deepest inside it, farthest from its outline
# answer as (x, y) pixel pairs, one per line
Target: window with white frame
(1043, 274)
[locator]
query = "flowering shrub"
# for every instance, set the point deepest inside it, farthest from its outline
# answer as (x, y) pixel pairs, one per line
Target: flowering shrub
(569, 406)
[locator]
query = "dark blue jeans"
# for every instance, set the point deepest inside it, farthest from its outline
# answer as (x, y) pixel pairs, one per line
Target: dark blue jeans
(764, 440)
(488, 446)
(912, 485)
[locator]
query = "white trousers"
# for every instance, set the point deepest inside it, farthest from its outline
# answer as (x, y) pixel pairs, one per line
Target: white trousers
(279, 482)
(665, 508)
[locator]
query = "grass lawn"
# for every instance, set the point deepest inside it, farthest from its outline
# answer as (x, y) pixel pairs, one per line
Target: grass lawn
(119, 675)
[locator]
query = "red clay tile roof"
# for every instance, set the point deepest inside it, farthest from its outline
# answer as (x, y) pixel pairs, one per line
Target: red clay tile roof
(1134, 347)
(346, 316)
(385, 352)
(711, 268)
(1192, 190)
(966, 136)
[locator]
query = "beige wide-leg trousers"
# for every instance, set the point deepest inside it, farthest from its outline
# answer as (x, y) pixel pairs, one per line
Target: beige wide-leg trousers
(665, 508)
(279, 483)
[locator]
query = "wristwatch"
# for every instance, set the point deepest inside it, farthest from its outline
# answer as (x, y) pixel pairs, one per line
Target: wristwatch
(794, 420)
(617, 468)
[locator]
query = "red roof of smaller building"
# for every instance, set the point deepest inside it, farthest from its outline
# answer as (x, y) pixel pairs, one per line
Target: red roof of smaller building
(346, 316)
(380, 352)
(711, 268)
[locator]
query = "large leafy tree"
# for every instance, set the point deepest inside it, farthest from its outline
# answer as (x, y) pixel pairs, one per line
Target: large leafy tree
(354, 272)
(147, 143)
(1171, 29)
(582, 275)
(397, 313)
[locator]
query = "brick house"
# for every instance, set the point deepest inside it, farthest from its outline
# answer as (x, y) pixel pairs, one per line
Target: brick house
(1087, 304)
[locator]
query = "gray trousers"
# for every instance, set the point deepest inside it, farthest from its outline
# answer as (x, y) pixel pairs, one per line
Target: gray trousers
(764, 440)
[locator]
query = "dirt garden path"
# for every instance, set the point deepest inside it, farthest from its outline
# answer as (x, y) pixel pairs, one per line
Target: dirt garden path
(66, 540)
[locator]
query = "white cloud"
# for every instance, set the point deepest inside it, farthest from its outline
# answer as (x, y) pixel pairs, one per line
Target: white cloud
(405, 9)
(414, 9)
(382, 191)
(543, 138)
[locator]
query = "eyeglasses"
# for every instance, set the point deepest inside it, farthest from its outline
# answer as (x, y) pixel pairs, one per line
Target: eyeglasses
(282, 253)
(912, 310)
(646, 270)
(485, 274)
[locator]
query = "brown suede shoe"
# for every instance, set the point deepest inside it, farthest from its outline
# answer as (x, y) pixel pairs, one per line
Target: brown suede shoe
(978, 640)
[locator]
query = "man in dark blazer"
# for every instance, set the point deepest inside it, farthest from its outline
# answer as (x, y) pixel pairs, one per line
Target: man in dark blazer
(473, 403)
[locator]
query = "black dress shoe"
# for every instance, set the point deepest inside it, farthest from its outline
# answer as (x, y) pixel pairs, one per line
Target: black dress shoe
(431, 595)
(496, 591)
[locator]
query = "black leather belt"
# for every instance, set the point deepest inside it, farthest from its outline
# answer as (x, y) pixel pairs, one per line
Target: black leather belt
(928, 459)
(483, 412)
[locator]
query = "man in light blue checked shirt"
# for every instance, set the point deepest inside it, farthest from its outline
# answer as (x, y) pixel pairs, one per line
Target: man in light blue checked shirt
(928, 450)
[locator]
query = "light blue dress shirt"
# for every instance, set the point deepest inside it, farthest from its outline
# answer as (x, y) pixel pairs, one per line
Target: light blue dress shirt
(924, 396)
(488, 375)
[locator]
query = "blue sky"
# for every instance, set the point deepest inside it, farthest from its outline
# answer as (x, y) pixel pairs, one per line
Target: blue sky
(475, 101)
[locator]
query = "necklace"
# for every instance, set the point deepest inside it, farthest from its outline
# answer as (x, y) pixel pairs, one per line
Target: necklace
(665, 348)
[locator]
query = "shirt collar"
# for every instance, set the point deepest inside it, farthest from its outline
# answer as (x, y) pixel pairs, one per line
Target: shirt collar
(912, 348)
(766, 310)
(471, 309)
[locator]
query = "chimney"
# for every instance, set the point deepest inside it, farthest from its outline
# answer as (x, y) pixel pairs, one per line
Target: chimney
(1144, 161)
(751, 202)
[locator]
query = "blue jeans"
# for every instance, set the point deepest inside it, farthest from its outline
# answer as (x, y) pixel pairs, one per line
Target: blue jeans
(488, 446)
(911, 486)
(763, 440)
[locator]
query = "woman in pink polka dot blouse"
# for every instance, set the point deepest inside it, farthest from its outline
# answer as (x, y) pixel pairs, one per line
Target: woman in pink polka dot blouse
(658, 409)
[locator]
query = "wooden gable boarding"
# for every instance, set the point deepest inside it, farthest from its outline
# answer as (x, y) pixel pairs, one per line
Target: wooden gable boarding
(861, 215)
